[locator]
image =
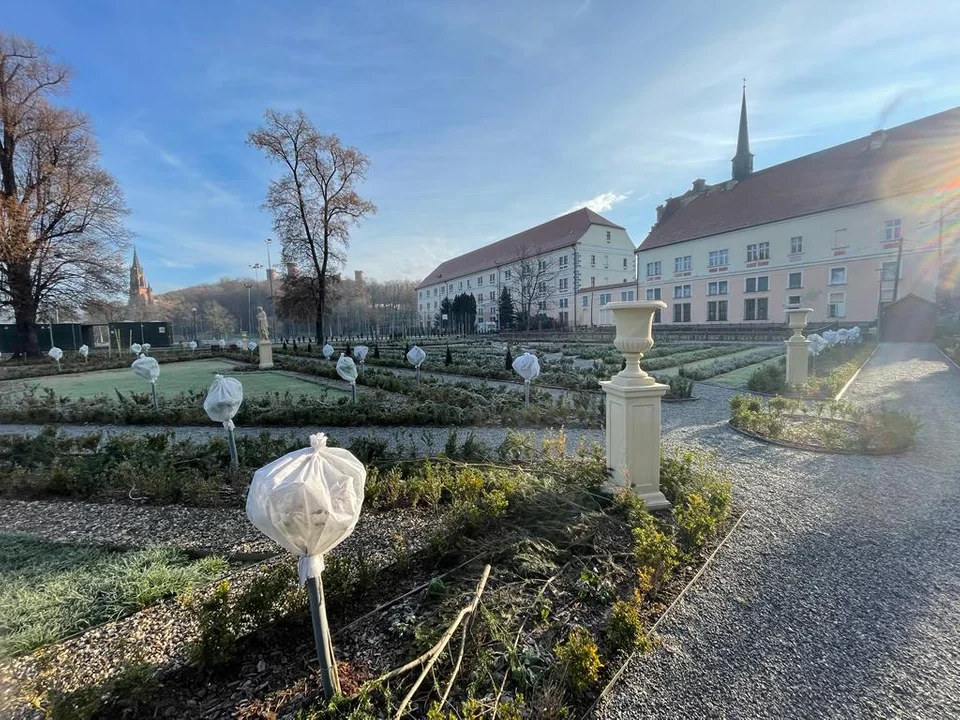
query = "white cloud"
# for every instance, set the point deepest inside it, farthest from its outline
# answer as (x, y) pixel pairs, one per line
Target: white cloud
(175, 264)
(599, 203)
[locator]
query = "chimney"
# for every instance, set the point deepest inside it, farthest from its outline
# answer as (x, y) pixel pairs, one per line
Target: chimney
(358, 277)
(699, 185)
(876, 139)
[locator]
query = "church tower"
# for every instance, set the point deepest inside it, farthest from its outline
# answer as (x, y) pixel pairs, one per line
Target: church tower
(743, 160)
(140, 292)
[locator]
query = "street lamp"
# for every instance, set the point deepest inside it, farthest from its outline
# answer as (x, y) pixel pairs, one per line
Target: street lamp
(193, 311)
(249, 311)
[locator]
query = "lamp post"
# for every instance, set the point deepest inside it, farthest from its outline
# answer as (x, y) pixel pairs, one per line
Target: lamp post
(248, 286)
(193, 311)
(273, 302)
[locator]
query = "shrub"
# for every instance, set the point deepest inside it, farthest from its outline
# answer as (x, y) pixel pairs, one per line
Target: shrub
(625, 630)
(770, 379)
(580, 658)
(448, 360)
(376, 351)
(655, 553)
(680, 387)
(509, 360)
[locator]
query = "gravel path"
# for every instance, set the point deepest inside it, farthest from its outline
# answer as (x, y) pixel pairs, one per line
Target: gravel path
(839, 595)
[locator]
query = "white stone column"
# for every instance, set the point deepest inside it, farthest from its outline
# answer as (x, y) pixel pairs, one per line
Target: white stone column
(266, 355)
(633, 407)
(797, 346)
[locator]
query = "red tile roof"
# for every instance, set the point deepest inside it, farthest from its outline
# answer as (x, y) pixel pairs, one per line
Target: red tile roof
(552, 235)
(919, 155)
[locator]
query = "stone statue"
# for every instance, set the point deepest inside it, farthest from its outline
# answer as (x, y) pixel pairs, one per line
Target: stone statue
(262, 328)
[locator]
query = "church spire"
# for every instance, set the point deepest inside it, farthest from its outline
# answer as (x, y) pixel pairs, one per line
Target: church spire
(743, 160)
(136, 259)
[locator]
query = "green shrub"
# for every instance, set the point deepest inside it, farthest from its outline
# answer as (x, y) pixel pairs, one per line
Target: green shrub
(655, 553)
(680, 387)
(770, 379)
(625, 630)
(580, 658)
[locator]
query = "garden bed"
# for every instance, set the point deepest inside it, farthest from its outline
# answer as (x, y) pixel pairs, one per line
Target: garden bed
(834, 427)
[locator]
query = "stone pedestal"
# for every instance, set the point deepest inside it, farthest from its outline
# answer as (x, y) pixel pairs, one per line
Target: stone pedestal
(797, 359)
(266, 355)
(633, 439)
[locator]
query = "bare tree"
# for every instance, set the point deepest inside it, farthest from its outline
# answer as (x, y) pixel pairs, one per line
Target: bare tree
(61, 229)
(314, 203)
(218, 319)
(533, 278)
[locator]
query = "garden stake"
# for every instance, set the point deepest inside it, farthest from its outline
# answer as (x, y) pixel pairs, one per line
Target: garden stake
(321, 637)
(234, 460)
(526, 388)
(153, 387)
(353, 390)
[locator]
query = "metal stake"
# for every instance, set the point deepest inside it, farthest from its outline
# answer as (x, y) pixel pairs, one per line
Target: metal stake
(234, 460)
(353, 389)
(321, 638)
(153, 387)
(526, 386)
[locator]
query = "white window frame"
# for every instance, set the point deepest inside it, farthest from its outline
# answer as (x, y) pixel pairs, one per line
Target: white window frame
(562, 262)
(893, 229)
(756, 284)
(682, 291)
(562, 283)
(796, 245)
(794, 303)
(585, 302)
(653, 293)
(719, 258)
(507, 274)
(755, 301)
(840, 240)
(684, 263)
(605, 298)
(688, 312)
(795, 287)
(842, 268)
(716, 310)
(832, 311)
(655, 266)
(608, 236)
(563, 302)
(884, 276)
(626, 296)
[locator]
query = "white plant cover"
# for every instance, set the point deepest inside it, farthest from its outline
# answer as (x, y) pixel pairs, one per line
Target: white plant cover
(831, 337)
(817, 344)
(145, 347)
(327, 351)
(147, 368)
(223, 400)
(347, 369)
(855, 333)
(843, 336)
(83, 350)
(416, 356)
(527, 366)
(136, 348)
(222, 343)
(55, 353)
(192, 344)
(360, 352)
(308, 501)
(251, 346)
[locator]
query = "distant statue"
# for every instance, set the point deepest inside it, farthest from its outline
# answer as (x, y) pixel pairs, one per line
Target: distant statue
(262, 328)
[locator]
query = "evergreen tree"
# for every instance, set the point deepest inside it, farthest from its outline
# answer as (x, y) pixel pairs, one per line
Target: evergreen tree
(284, 345)
(507, 313)
(509, 363)
(294, 344)
(448, 360)
(309, 347)
(376, 351)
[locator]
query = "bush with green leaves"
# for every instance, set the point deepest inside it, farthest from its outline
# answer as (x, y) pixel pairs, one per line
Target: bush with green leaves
(580, 657)
(705, 371)
(770, 378)
(625, 628)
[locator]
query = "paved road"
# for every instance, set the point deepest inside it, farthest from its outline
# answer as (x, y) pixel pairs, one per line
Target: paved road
(839, 595)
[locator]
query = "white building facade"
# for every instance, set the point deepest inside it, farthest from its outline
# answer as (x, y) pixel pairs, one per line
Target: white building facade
(577, 251)
(842, 231)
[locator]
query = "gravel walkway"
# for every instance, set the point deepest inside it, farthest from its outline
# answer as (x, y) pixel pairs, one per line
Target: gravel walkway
(839, 595)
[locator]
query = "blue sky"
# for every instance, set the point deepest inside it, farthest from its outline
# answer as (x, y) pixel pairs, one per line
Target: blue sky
(480, 118)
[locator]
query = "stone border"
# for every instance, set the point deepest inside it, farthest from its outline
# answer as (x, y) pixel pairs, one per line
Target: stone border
(816, 448)
(679, 400)
(947, 357)
(854, 376)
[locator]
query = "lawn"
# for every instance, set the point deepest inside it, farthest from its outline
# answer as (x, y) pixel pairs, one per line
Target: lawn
(49, 591)
(691, 365)
(180, 377)
(737, 379)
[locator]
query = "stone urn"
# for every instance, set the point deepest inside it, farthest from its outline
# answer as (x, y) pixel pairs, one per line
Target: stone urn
(634, 321)
(797, 321)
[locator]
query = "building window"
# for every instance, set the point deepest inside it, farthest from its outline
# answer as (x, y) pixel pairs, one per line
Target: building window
(892, 230)
(796, 245)
(682, 264)
(493, 296)
(562, 263)
(480, 281)
(468, 283)
(794, 280)
(593, 261)
(717, 311)
(626, 295)
(605, 298)
(839, 238)
(593, 281)
(435, 292)
(421, 294)
(757, 284)
(624, 263)
(718, 287)
(758, 251)
(653, 268)
(681, 291)
(681, 312)
(755, 309)
(606, 261)
(541, 306)
(460, 285)
(493, 278)
(506, 274)
(836, 305)
(719, 258)
(541, 264)
(793, 301)
(562, 283)
(608, 236)
(653, 293)
(838, 276)
(585, 302)
(888, 271)
(563, 302)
